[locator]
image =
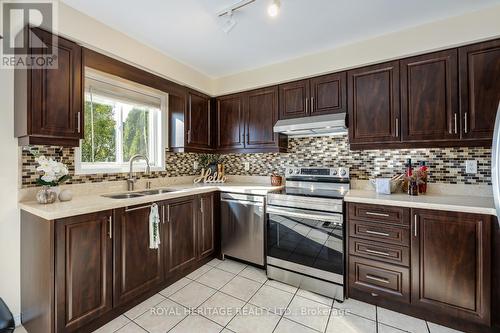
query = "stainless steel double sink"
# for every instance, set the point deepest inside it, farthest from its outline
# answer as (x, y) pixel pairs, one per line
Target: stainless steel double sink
(128, 195)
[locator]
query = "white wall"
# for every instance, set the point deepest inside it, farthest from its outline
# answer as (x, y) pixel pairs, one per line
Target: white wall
(89, 32)
(9, 214)
(450, 32)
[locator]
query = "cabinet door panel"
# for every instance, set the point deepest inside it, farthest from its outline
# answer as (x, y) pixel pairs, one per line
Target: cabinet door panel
(181, 234)
(261, 110)
(198, 121)
(329, 94)
(84, 273)
(294, 99)
(206, 226)
(138, 268)
(373, 103)
(479, 88)
(230, 120)
(429, 97)
(451, 263)
(56, 95)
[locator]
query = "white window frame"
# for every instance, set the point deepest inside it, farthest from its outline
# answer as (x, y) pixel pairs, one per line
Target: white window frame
(159, 146)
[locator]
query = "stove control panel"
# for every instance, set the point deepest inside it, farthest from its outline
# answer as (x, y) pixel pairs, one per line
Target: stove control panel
(317, 172)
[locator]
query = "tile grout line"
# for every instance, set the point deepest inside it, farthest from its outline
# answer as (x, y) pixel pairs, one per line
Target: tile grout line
(286, 308)
(216, 290)
(246, 302)
(330, 316)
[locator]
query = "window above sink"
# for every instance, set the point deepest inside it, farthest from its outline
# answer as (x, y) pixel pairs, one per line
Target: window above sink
(121, 119)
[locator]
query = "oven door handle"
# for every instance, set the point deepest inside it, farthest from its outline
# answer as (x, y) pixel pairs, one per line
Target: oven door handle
(310, 216)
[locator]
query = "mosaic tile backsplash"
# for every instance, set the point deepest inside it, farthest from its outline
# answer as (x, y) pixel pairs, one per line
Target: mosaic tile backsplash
(447, 165)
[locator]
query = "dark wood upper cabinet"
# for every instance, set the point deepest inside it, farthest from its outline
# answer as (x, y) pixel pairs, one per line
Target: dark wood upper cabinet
(313, 97)
(373, 103)
(180, 234)
(84, 270)
(479, 71)
(206, 225)
(245, 122)
(138, 268)
(230, 122)
(190, 121)
(429, 97)
(328, 94)
(294, 99)
(49, 102)
(451, 271)
(199, 121)
(261, 112)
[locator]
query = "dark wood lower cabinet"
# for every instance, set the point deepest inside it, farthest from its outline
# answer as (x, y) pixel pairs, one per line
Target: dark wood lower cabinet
(451, 264)
(137, 267)
(180, 234)
(80, 272)
(440, 270)
(84, 270)
(206, 225)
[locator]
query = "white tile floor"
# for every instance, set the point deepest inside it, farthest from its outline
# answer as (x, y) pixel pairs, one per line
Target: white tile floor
(227, 296)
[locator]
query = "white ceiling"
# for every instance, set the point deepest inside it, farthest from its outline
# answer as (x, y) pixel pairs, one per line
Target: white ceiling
(190, 31)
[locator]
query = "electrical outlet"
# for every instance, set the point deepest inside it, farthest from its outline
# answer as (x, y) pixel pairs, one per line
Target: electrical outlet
(195, 165)
(471, 166)
(247, 166)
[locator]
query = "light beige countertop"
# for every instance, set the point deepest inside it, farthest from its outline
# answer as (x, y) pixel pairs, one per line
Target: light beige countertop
(436, 201)
(84, 204)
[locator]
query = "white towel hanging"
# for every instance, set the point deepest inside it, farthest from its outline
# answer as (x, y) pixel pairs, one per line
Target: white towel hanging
(154, 227)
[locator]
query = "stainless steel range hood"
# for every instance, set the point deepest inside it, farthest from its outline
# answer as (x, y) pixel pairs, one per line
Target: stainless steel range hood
(325, 125)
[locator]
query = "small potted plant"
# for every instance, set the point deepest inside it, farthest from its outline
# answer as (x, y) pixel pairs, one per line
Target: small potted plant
(52, 174)
(210, 161)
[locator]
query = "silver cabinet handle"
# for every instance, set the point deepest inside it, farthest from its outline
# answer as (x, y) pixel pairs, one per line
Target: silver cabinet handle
(136, 208)
(189, 136)
(415, 218)
(312, 104)
(110, 227)
(456, 123)
(163, 213)
(307, 104)
(168, 213)
(78, 121)
(375, 278)
(377, 214)
(377, 233)
(465, 123)
(397, 127)
(201, 205)
(378, 252)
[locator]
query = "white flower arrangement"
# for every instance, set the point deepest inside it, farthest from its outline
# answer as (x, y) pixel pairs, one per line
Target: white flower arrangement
(52, 173)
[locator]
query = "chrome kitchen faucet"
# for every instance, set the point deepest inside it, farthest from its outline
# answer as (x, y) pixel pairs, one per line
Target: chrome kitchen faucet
(131, 180)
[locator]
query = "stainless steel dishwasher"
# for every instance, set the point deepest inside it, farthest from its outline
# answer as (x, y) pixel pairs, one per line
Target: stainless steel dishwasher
(242, 220)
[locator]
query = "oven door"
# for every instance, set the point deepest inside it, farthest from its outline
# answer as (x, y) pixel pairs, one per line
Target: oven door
(299, 237)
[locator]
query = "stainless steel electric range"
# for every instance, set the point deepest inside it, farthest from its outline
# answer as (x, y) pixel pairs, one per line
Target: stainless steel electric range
(305, 230)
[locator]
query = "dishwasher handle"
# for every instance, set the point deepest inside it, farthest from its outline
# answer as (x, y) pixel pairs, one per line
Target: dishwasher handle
(244, 202)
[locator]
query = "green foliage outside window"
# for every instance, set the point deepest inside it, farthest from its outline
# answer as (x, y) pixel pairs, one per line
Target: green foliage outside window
(99, 144)
(103, 134)
(135, 134)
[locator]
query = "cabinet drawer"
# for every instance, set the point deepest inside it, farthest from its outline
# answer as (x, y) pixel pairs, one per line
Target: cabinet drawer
(395, 254)
(378, 213)
(379, 279)
(379, 232)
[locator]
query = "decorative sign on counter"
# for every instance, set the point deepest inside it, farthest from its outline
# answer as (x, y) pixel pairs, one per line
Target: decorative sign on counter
(206, 177)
